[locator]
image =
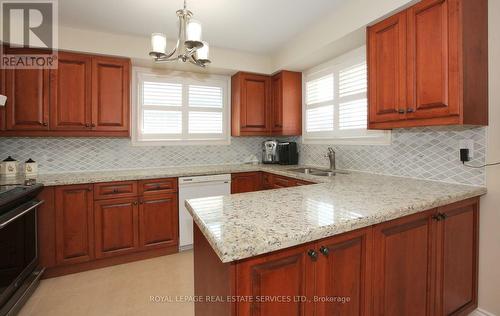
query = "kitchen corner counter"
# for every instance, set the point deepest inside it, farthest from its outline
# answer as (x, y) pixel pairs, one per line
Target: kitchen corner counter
(244, 225)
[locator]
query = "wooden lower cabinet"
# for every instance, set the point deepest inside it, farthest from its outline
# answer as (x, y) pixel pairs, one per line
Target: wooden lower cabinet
(457, 243)
(246, 182)
(285, 278)
(421, 264)
(402, 266)
(116, 226)
(74, 224)
(88, 226)
(158, 221)
(343, 272)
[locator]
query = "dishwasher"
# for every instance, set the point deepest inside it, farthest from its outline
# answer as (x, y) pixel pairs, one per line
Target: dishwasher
(197, 187)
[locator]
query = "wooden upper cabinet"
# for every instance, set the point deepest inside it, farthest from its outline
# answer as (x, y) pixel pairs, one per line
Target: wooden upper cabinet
(86, 95)
(432, 60)
(250, 105)
(27, 107)
(263, 105)
(74, 224)
(387, 69)
(110, 94)
(71, 103)
(286, 101)
(436, 73)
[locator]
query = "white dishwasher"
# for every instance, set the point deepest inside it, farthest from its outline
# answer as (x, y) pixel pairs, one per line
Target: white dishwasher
(197, 187)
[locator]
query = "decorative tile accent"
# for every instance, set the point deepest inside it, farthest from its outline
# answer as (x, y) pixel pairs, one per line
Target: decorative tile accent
(427, 153)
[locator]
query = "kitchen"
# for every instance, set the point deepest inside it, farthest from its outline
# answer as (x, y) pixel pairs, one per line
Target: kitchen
(333, 166)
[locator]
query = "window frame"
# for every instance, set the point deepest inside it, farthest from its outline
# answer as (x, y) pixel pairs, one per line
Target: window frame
(140, 74)
(336, 137)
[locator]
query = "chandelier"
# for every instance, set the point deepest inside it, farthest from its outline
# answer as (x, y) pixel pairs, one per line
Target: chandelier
(189, 47)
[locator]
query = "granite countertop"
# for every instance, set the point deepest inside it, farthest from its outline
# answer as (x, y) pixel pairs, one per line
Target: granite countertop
(248, 224)
(67, 178)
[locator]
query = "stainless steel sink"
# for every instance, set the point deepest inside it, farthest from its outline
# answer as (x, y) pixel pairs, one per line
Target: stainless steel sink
(318, 172)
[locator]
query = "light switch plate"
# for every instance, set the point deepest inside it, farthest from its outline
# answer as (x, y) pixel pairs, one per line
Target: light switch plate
(3, 100)
(466, 143)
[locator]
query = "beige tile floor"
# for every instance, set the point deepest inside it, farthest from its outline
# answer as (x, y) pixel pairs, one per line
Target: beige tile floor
(119, 290)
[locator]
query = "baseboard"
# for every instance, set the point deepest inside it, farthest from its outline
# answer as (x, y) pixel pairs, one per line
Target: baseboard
(110, 261)
(481, 312)
(186, 247)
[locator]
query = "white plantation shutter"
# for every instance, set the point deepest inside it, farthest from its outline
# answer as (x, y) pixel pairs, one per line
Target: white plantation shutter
(335, 102)
(175, 109)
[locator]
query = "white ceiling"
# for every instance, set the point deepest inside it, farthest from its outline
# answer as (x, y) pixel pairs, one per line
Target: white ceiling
(256, 26)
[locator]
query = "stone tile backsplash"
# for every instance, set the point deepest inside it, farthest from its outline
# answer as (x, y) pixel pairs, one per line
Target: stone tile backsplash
(427, 153)
(430, 153)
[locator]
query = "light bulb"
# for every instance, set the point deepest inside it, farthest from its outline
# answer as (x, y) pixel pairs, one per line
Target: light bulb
(193, 31)
(159, 42)
(202, 52)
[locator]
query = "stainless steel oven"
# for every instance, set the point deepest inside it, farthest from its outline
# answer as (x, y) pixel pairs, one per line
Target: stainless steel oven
(19, 269)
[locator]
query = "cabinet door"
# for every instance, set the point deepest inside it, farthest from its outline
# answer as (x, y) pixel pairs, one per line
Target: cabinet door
(110, 94)
(246, 182)
(255, 108)
(116, 227)
(287, 274)
(277, 104)
(71, 104)
(343, 272)
(387, 69)
(457, 272)
(432, 91)
(27, 92)
(402, 266)
(159, 221)
(74, 224)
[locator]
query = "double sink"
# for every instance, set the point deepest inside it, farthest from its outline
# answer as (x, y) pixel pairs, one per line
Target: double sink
(318, 172)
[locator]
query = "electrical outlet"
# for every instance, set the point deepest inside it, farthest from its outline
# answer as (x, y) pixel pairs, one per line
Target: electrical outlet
(468, 144)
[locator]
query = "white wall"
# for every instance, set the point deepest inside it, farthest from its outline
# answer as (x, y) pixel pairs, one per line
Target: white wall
(224, 61)
(325, 38)
(489, 250)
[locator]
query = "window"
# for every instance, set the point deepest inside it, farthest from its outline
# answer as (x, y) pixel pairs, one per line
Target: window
(336, 105)
(180, 108)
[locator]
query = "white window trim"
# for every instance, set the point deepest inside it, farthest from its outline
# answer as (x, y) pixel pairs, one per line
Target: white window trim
(185, 78)
(354, 137)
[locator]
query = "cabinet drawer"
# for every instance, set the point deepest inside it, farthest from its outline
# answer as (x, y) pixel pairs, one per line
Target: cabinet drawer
(267, 181)
(302, 182)
(148, 187)
(115, 190)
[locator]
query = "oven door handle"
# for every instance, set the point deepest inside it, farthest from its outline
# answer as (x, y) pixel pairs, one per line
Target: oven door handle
(20, 211)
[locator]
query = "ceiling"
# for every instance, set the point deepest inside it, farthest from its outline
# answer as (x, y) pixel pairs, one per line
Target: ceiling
(255, 26)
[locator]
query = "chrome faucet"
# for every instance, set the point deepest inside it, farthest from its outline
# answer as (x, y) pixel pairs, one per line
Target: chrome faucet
(331, 156)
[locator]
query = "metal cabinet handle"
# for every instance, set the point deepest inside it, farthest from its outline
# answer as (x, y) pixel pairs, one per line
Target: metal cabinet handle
(135, 203)
(443, 216)
(45, 124)
(87, 125)
(401, 111)
(324, 250)
(410, 110)
(313, 254)
(436, 217)
(93, 125)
